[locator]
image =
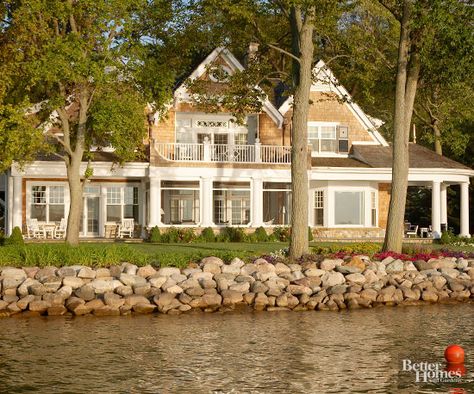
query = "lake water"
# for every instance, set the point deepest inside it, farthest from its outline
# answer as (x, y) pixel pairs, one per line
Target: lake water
(267, 352)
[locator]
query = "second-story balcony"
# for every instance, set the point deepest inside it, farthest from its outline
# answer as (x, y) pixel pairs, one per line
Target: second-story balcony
(224, 153)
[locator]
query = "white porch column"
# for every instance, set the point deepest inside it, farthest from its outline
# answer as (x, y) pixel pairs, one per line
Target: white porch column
(444, 204)
(142, 207)
(155, 202)
(102, 210)
(436, 209)
(17, 197)
(465, 210)
(257, 202)
(206, 202)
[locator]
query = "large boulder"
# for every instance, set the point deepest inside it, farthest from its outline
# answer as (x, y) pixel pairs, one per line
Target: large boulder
(13, 273)
(332, 279)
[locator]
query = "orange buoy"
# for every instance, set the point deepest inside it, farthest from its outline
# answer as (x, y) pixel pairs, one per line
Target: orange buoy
(454, 354)
(458, 369)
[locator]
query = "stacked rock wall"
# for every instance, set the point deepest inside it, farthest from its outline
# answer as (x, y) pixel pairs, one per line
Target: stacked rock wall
(331, 284)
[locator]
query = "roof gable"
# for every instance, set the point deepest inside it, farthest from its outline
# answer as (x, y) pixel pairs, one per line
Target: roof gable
(325, 81)
(182, 94)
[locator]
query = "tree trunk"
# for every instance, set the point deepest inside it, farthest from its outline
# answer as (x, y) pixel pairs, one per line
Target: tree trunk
(396, 213)
(302, 49)
(73, 166)
(76, 202)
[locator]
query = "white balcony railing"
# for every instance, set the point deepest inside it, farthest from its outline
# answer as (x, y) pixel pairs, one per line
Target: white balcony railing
(223, 153)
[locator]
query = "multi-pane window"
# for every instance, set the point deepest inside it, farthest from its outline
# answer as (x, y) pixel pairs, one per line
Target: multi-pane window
(327, 138)
(231, 203)
(122, 203)
(180, 202)
(276, 203)
(373, 207)
(47, 203)
(319, 208)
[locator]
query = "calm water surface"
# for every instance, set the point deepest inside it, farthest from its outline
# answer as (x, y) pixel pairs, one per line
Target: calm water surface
(278, 352)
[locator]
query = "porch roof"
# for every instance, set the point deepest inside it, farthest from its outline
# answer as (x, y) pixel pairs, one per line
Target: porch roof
(377, 156)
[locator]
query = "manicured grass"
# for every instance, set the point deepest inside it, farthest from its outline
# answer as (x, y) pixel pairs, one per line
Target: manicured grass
(175, 254)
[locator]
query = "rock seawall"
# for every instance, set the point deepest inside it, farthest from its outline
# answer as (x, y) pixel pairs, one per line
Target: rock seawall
(212, 285)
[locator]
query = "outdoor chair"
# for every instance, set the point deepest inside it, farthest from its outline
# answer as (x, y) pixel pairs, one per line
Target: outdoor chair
(126, 227)
(413, 230)
(60, 231)
(33, 229)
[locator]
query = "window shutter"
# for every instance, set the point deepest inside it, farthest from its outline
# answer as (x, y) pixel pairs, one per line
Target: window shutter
(343, 139)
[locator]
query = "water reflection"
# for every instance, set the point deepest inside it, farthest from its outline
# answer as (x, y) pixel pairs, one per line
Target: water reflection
(284, 352)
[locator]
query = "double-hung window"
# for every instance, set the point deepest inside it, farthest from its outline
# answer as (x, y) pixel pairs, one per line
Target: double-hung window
(122, 203)
(319, 208)
(47, 203)
(328, 137)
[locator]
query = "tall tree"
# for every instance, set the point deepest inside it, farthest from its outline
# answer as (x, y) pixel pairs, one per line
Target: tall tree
(426, 27)
(73, 73)
(287, 32)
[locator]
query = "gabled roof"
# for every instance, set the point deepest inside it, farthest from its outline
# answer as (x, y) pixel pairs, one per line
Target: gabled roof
(324, 80)
(234, 65)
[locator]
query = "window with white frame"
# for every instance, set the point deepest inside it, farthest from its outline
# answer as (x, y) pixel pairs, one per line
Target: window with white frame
(180, 202)
(349, 208)
(47, 203)
(218, 128)
(319, 207)
(276, 203)
(231, 203)
(122, 203)
(328, 138)
(373, 207)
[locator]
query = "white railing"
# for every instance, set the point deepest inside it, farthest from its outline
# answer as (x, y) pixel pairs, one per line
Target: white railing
(180, 152)
(275, 154)
(224, 153)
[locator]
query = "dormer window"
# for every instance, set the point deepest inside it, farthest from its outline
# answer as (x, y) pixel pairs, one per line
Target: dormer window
(327, 138)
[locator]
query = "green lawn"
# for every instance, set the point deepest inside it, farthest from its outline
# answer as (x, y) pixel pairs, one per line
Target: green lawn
(106, 254)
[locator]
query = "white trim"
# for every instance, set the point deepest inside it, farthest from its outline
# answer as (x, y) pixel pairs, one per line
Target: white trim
(328, 82)
(181, 93)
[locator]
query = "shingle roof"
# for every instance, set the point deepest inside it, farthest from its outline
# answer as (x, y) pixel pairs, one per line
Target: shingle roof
(337, 162)
(420, 157)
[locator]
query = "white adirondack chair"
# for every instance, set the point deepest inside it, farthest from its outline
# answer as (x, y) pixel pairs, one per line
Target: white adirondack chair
(60, 231)
(126, 227)
(33, 229)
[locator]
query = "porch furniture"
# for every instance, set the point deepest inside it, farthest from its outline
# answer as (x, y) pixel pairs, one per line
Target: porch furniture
(126, 227)
(48, 229)
(60, 230)
(33, 229)
(111, 230)
(412, 231)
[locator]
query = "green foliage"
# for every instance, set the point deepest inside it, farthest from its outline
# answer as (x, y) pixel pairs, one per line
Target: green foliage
(170, 236)
(186, 235)
(261, 235)
(366, 248)
(281, 234)
(155, 235)
(232, 234)
(16, 238)
(207, 235)
(310, 234)
(447, 237)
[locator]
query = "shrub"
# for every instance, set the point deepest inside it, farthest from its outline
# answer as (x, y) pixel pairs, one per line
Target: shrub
(447, 238)
(171, 236)
(310, 234)
(208, 235)
(233, 234)
(16, 238)
(281, 234)
(260, 235)
(186, 235)
(155, 235)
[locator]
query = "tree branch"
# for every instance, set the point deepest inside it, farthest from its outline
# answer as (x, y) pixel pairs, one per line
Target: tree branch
(277, 48)
(60, 141)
